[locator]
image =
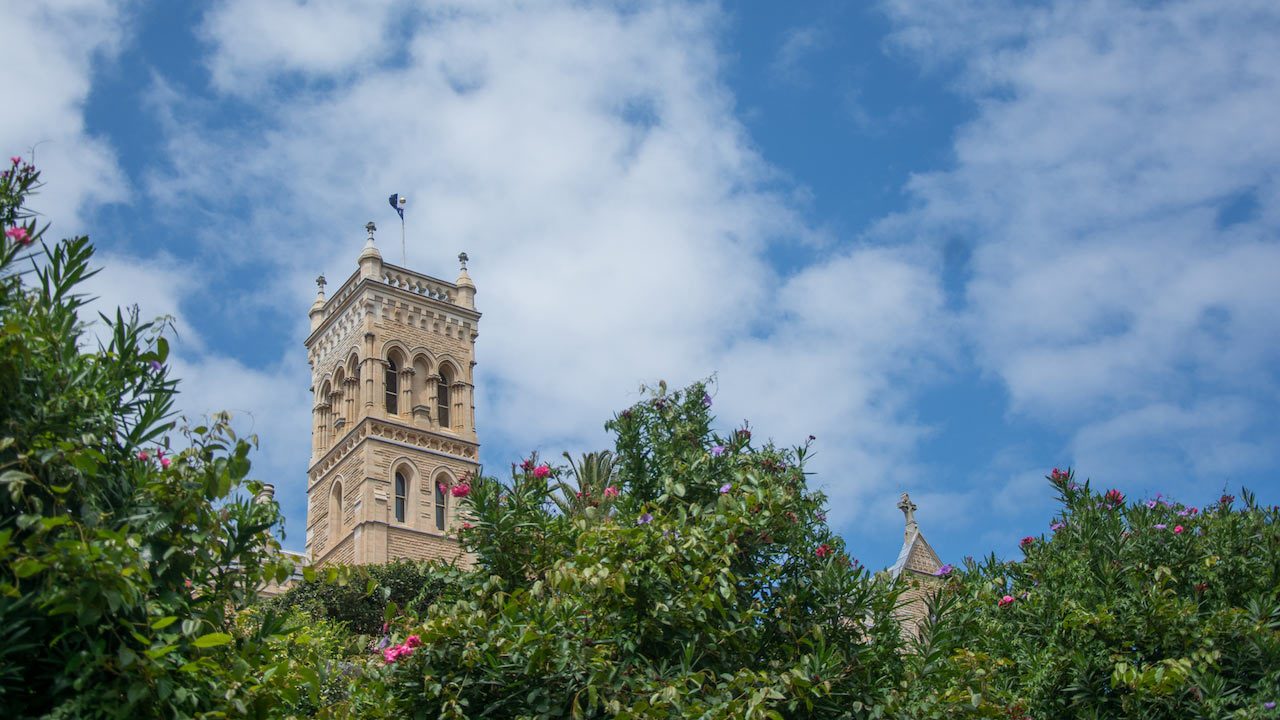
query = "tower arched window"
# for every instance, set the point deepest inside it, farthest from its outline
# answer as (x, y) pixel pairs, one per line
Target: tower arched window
(442, 396)
(441, 500)
(402, 496)
(393, 388)
(335, 512)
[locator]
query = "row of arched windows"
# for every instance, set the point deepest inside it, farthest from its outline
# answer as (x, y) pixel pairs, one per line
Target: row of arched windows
(421, 390)
(432, 391)
(402, 508)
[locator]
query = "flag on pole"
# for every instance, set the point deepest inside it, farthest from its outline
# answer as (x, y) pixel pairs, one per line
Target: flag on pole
(398, 202)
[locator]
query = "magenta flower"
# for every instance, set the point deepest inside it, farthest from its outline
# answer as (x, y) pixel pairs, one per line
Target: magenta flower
(725, 488)
(541, 471)
(717, 451)
(1056, 526)
(1177, 530)
(823, 550)
(1159, 526)
(1005, 601)
(1151, 503)
(944, 571)
(461, 490)
(611, 492)
(19, 235)
(143, 456)
(1114, 498)
(164, 463)
(15, 159)
(1027, 541)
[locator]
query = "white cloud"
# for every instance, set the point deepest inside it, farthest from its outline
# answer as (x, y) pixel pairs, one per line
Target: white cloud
(1106, 290)
(48, 55)
(261, 40)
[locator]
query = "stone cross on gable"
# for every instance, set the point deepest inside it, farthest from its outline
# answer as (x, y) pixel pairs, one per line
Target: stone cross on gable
(321, 282)
(908, 509)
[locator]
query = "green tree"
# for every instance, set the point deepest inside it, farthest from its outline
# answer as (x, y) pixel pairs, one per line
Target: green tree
(714, 589)
(1126, 610)
(124, 563)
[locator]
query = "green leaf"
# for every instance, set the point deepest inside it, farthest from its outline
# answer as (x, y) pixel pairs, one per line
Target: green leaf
(164, 622)
(211, 640)
(26, 567)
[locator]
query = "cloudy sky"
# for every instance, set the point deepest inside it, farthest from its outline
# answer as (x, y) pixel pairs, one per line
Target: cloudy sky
(960, 243)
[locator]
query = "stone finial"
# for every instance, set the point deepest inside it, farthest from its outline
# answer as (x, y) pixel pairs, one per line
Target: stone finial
(466, 288)
(320, 283)
(462, 260)
(908, 509)
(317, 308)
(370, 258)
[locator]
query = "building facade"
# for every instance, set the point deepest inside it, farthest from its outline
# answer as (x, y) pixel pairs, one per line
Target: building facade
(392, 354)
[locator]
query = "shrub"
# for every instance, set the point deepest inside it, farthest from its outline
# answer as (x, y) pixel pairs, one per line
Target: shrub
(712, 588)
(1141, 610)
(123, 563)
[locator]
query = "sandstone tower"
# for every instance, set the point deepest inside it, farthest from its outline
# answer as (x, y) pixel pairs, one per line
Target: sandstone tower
(391, 354)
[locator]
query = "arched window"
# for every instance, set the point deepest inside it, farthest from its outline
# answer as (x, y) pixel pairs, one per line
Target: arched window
(441, 500)
(402, 495)
(442, 396)
(393, 387)
(335, 513)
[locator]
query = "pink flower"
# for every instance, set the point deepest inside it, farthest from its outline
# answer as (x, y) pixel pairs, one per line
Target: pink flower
(412, 641)
(611, 492)
(823, 550)
(725, 488)
(541, 471)
(19, 235)
(1177, 529)
(1114, 498)
(467, 525)
(143, 456)
(461, 490)
(1027, 541)
(15, 159)
(164, 463)
(1005, 601)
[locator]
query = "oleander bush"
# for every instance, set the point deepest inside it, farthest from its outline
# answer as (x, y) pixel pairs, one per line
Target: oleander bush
(1149, 609)
(124, 562)
(705, 584)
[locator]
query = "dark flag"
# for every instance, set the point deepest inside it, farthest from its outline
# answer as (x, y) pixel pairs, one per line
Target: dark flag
(398, 202)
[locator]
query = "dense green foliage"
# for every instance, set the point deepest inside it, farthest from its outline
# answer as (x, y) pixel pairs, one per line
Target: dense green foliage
(1143, 610)
(123, 564)
(707, 586)
(359, 598)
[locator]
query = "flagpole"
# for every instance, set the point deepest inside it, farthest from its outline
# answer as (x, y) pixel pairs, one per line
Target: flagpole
(404, 260)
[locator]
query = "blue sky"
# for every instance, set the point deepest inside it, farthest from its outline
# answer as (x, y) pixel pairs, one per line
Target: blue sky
(960, 243)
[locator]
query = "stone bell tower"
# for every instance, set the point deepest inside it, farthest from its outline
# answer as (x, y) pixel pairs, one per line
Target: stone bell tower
(391, 354)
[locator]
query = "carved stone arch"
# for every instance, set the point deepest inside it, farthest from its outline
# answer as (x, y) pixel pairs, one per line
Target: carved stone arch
(451, 401)
(404, 499)
(395, 344)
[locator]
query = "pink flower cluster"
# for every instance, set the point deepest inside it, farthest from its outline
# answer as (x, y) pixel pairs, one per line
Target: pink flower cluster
(404, 649)
(1114, 498)
(19, 235)
(611, 492)
(144, 456)
(823, 550)
(1005, 601)
(541, 472)
(461, 490)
